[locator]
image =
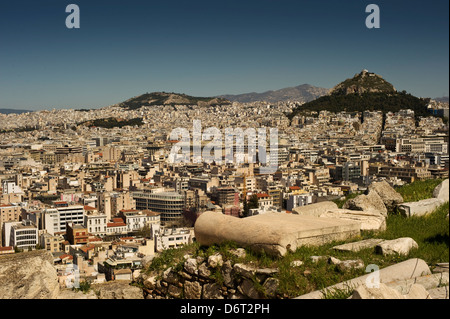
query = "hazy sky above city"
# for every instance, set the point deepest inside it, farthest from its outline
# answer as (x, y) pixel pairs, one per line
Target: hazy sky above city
(208, 48)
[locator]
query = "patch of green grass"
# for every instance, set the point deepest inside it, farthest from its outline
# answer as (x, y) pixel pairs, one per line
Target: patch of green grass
(418, 190)
(431, 233)
(172, 257)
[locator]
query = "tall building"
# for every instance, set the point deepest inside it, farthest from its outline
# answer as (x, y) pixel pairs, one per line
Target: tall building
(8, 213)
(24, 235)
(169, 204)
(56, 218)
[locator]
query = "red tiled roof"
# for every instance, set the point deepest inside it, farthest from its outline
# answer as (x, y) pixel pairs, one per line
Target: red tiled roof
(6, 248)
(89, 208)
(115, 224)
(294, 188)
(263, 195)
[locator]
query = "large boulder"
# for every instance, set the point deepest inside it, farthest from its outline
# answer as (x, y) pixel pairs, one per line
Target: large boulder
(391, 198)
(370, 202)
(420, 208)
(29, 275)
(273, 233)
(316, 209)
(441, 191)
(371, 220)
(401, 246)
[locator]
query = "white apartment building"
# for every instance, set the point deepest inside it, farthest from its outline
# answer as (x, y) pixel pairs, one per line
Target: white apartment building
(56, 219)
(24, 235)
(298, 200)
(138, 219)
(166, 238)
(95, 222)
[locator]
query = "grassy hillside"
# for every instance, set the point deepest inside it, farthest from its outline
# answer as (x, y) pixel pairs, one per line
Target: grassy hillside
(366, 102)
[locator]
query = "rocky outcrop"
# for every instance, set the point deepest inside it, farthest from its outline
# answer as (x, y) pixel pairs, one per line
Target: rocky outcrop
(28, 275)
(391, 198)
(370, 202)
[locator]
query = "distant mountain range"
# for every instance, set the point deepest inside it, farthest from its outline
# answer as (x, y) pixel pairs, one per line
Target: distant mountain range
(443, 99)
(301, 93)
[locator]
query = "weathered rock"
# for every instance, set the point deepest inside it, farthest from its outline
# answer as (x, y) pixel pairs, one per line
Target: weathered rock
(441, 267)
(212, 291)
(316, 259)
(316, 209)
(420, 208)
(29, 275)
(238, 252)
(170, 277)
(174, 291)
(271, 286)
(391, 198)
(296, 263)
(344, 265)
(359, 245)
(385, 292)
(401, 246)
(405, 270)
(370, 202)
(215, 260)
(226, 274)
(69, 294)
(150, 282)
(136, 274)
(267, 271)
(442, 191)
(427, 281)
(192, 290)
(351, 264)
(439, 293)
(272, 233)
(248, 289)
(203, 271)
(371, 220)
(244, 270)
(190, 265)
(118, 290)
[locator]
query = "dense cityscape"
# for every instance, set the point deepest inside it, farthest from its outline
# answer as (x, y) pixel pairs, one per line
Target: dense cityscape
(109, 200)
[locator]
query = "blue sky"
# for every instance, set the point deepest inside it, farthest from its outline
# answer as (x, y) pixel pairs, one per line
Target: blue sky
(207, 48)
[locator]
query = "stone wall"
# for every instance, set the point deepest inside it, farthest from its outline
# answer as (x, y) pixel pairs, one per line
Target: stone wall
(211, 278)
